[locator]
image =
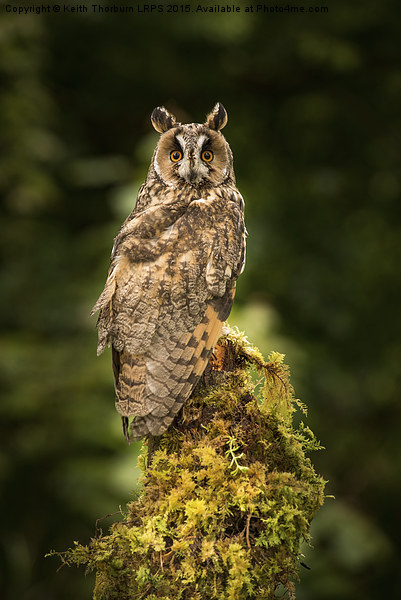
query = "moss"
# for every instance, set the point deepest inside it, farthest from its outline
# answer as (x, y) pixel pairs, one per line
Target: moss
(227, 497)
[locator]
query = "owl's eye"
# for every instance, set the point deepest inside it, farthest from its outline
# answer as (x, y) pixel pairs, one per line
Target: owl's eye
(175, 155)
(207, 155)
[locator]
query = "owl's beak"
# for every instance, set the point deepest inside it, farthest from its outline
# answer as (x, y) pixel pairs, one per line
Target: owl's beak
(190, 172)
(193, 176)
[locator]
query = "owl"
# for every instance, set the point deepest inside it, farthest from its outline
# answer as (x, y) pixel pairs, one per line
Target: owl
(173, 271)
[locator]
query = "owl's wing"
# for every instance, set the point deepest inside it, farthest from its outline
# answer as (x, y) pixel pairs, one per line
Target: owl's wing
(169, 382)
(153, 387)
(163, 306)
(128, 304)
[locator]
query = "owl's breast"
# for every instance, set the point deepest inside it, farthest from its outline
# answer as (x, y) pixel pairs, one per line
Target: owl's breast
(222, 213)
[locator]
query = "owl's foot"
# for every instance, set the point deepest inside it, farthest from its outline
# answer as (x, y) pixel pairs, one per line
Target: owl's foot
(153, 445)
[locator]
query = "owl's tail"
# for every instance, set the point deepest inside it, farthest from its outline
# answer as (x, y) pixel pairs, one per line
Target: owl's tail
(130, 384)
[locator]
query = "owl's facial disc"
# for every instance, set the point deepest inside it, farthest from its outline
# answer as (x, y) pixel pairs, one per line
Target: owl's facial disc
(193, 154)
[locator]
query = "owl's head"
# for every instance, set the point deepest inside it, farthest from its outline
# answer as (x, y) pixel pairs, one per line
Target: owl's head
(195, 154)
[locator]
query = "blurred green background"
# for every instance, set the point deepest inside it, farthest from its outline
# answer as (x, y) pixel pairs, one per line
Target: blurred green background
(314, 124)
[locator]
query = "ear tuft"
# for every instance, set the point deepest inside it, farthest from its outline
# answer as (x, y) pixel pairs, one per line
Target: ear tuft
(218, 118)
(162, 120)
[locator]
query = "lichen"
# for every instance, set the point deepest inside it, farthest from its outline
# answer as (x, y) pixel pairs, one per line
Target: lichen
(228, 493)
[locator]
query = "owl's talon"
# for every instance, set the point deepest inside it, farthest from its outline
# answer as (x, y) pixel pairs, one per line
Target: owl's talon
(153, 442)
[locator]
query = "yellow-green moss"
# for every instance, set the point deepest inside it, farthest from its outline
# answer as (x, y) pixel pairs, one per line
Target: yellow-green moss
(227, 498)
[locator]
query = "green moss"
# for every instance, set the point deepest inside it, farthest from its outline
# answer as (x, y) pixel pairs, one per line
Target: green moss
(227, 498)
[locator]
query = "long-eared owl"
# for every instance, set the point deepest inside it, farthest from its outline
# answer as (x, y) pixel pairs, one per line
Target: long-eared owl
(173, 271)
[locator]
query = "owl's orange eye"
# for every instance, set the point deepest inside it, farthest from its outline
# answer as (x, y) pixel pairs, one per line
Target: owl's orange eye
(175, 155)
(207, 155)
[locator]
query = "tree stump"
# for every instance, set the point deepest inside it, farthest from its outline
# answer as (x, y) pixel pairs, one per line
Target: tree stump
(228, 493)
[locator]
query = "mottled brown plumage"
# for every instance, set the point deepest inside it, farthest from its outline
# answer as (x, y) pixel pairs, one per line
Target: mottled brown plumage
(173, 269)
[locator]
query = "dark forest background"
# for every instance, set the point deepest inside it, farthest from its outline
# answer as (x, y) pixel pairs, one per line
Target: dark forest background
(314, 124)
